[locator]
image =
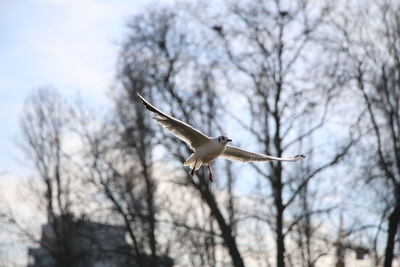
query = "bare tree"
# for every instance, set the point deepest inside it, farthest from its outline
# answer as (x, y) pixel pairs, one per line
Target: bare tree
(311, 243)
(44, 125)
(120, 165)
(184, 63)
(276, 39)
(373, 70)
(138, 138)
(281, 105)
(166, 54)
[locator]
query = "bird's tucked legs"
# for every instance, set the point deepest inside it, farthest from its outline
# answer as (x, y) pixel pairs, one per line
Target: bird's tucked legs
(210, 176)
(194, 168)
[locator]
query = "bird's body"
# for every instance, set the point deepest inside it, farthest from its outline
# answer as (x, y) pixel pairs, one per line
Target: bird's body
(206, 149)
(205, 153)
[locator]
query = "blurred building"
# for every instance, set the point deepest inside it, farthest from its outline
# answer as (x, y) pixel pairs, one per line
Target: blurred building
(86, 244)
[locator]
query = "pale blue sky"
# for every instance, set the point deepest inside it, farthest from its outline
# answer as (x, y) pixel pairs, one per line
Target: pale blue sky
(70, 45)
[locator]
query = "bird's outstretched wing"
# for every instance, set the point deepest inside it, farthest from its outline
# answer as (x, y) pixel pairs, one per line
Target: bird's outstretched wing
(193, 137)
(235, 153)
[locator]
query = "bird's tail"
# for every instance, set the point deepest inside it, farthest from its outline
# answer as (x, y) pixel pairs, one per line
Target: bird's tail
(191, 161)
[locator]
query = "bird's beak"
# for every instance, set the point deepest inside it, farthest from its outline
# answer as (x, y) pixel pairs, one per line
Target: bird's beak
(229, 140)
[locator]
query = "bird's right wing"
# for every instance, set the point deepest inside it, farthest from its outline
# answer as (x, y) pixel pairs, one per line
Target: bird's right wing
(237, 154)
(193, 137)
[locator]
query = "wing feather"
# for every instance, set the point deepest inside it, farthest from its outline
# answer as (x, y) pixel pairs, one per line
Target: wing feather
(238, 154)
(193, 137)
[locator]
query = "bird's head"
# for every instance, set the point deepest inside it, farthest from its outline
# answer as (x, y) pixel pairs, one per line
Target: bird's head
(224, 139)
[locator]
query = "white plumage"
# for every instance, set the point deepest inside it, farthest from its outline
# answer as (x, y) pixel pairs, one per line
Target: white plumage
(205, 148)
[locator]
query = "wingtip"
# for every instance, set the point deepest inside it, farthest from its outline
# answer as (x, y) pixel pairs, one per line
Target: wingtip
(144, 101)
(300, 156)
(140, 96)
(148, 106)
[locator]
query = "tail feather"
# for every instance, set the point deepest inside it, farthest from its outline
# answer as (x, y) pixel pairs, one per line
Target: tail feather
(191, 161)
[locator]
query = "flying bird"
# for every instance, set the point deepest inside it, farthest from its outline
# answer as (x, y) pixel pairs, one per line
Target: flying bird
(206, 149)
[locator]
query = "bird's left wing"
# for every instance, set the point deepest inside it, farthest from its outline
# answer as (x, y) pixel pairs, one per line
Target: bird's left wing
(237, 154)
(193, 137)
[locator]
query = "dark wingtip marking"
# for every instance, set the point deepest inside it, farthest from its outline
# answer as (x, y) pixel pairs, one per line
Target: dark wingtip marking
(147, 104)
(300, 156)
(142, 99)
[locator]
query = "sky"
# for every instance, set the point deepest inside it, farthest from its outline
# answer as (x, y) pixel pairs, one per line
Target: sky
(71, 45)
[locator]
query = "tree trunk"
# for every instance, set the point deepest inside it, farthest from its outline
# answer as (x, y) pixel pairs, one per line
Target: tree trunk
(280, 242)
(393, 223)
(226, 230)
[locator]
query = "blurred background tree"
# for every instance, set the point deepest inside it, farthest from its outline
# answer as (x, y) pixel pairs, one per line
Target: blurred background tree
(373, 70)
(278, 77)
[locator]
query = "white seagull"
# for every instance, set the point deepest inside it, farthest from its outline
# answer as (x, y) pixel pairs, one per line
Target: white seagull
(205, 148)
